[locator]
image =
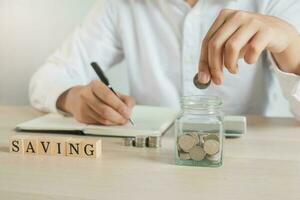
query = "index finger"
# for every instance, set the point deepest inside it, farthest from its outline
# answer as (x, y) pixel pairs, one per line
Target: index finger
(109, 98)
(204, 69)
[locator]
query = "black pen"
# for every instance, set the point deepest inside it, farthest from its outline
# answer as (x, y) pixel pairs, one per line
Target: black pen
(103, 78)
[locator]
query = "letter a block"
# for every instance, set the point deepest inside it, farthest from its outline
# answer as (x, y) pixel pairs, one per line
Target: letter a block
(91, 148)
(30, 145)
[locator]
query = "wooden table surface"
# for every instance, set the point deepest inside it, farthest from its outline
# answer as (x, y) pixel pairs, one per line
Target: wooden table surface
(264, 164)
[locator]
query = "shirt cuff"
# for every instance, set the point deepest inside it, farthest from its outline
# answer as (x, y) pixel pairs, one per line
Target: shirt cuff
(290, 83)
(56, 91)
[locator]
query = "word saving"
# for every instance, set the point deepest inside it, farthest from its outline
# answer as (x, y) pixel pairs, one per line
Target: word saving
(55, 146)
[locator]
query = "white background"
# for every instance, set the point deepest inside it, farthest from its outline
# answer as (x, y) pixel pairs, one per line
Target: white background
(30, 30)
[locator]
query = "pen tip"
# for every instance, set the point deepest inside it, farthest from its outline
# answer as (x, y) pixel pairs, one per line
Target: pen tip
(132, 123)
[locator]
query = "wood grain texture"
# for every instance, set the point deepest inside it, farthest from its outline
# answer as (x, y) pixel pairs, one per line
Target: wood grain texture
(264, 164)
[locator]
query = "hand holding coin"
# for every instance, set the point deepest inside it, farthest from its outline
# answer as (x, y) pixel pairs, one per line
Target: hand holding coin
(199, 85)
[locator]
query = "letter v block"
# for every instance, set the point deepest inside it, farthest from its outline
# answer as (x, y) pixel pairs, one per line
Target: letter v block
(44, 146)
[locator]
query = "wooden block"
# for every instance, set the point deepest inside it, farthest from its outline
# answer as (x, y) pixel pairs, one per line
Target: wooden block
(30, 145)
(44, 145)
(91, 148)
(59, 146)
(74, 147)
(16, 144)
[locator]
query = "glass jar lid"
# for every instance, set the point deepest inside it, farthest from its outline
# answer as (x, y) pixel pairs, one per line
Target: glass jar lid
(201, 103)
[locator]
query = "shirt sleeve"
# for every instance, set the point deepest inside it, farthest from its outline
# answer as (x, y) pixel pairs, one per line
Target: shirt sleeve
(287, 10)
(95, 40)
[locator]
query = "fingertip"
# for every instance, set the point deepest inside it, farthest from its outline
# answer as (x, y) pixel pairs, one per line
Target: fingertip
(203, 77)
(232, 70)
(126, 112)
(130, 103)
(218, 80)
(123, 121)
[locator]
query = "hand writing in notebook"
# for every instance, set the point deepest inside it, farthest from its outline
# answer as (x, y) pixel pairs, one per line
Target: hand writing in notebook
(95, 103)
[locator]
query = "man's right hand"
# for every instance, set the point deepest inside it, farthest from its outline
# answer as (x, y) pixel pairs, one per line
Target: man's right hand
(95, 103)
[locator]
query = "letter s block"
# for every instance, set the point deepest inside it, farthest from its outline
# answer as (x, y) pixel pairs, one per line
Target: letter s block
(16, 144)
(91, 148)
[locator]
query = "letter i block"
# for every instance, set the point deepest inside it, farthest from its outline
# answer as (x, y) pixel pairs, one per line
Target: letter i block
(59, 146)
(44, 146)
(30, 145)
(73, 147)
(16, 144)
(91, 148)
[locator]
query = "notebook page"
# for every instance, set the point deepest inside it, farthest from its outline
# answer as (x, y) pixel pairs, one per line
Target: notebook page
(52, 122)
(148, 120)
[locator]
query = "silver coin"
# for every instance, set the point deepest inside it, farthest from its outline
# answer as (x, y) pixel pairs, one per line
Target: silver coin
(140, 141)
(186, 142)
(184, 156)
(200, 86)
(214, 158)
(211, 147)
(128, 142)
(154, 141)
(201, 137)
(196, 136)
(211, 137)
(197, 153)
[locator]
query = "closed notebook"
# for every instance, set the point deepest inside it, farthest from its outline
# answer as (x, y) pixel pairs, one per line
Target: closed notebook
(149, 120)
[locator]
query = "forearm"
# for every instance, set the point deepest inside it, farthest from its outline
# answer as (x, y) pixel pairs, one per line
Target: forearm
(289, 59)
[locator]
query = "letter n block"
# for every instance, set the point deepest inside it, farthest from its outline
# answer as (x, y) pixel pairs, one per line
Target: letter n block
(91, 148)
(73, 147)
(16, 144)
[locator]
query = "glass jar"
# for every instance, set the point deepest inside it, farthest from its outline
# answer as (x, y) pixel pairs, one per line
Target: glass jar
(199, 132)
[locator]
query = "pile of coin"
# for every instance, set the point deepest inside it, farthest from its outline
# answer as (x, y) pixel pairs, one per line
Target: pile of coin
(154, 142)
(198, 146)
(143, 141)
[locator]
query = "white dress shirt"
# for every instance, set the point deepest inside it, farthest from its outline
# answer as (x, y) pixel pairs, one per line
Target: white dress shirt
(160, 41)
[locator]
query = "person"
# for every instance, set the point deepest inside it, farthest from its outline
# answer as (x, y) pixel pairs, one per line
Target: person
(240, 45)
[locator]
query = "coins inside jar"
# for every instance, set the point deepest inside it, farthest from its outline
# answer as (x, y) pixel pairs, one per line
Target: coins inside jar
(197, 153)
(187, 142)
(211, 147)
(198, 146)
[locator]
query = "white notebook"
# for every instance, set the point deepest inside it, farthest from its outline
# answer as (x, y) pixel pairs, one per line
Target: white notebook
(149, 121)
